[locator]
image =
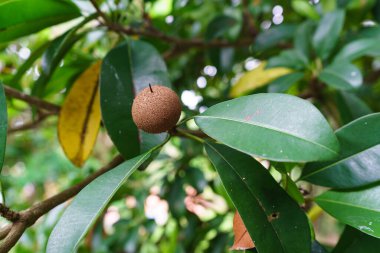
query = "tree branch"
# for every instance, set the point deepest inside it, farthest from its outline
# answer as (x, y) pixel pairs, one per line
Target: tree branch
(28, 217)
(39, 103)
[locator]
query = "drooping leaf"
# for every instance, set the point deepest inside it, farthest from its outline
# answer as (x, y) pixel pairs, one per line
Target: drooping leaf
(342, 75)
(289, 59)
(54, 54)
(283, 83)
(126, 70)
(277, 127)
(358, 48)
(23, 17)
(273, 36)
(242, 239)
(255, 79)
(3, 125)
(272, 218)
(357, 208)
(79, 119)
(354, 241)
(86, 207)
(359, 159)
(327, 34)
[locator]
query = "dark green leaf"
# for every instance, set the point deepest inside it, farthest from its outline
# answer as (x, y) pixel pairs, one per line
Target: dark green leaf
(327, 33)
(342, 75)
(360, 208)
(273, 126)
(126, 70)
(86, 207)
(350, 106)
(354, 241)
(24, 17)
(273, 36)
(3, 125)
(358, 48)
(358, 163)
(289, 58)
(271, 217)
(283, 83)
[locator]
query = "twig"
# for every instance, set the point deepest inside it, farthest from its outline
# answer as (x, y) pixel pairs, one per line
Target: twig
(30, 125)
(28, 217)
(99, 11)
(39, 103)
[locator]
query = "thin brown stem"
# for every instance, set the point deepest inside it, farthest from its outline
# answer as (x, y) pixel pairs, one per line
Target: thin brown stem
(39, 103)
(11, 234)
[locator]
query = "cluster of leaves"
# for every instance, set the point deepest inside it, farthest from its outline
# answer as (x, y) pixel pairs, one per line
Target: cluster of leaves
(317, 53)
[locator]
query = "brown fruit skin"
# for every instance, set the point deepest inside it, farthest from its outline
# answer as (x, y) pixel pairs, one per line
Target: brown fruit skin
(157, 111)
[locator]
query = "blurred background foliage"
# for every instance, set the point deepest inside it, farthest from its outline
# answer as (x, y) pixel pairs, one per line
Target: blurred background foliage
(178, 203)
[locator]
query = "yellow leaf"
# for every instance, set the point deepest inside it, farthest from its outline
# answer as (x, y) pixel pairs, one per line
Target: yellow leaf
(256, 78)
(80, 117)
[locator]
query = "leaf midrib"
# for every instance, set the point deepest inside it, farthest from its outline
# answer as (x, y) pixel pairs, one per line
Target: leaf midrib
(273, 129)
(249, 190)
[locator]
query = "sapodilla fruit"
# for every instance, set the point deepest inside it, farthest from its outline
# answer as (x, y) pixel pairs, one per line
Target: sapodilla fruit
(156, 109)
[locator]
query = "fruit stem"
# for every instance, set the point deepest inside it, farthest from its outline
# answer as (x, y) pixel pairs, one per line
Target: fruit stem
(190, 136)
(150, 87)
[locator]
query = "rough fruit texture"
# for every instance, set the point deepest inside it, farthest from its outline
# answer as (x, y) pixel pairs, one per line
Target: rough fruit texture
(157, 111)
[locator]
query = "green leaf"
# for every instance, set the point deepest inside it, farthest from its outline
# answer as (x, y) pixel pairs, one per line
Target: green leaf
(327, 33)
(86, 207)
(360, 209)
(292, 189)
(357, 49)
(289, 59)
(126, 70)
(271, 217)
(354, 241)
(342, 75)
(54, 54)
(283, 83)
(304, 8)
(23, 17)
(350, 106)
(358, 162)
(3, 125)
(277, 127)
(273, 36)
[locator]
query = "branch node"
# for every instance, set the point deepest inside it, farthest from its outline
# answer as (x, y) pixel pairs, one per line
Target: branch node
(9, 214)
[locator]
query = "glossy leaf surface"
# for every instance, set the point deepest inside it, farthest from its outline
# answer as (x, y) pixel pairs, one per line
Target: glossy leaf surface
(86, 207)
(296, 129)
(359, 209)
(23, 17)
(126, 70)
(272, 218)
(358, 163)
